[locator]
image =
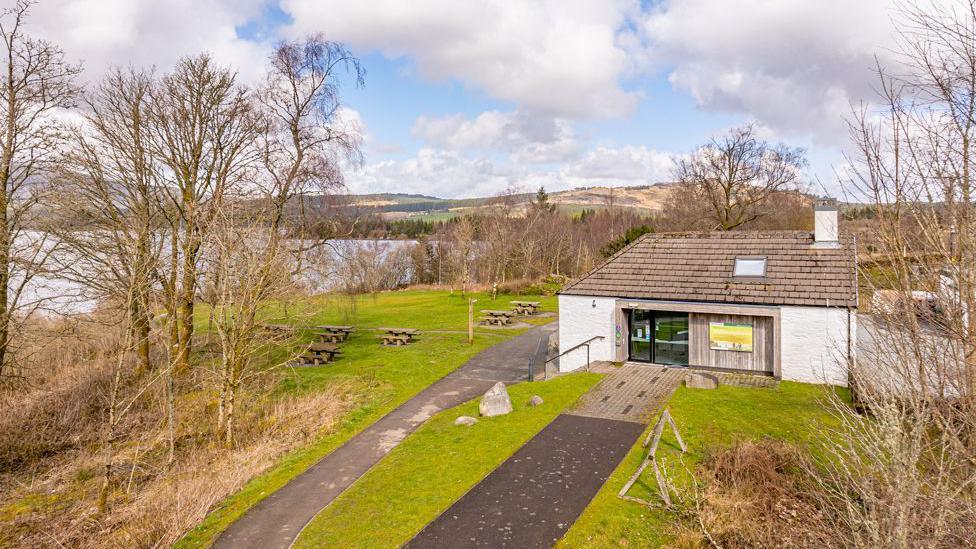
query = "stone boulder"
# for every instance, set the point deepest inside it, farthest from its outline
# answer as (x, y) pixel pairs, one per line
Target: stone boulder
(465, 420)
(701, 380)
(535, 400)
(495, 402)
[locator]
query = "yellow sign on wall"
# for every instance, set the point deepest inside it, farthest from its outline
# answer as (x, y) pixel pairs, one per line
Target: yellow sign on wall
(730, 336)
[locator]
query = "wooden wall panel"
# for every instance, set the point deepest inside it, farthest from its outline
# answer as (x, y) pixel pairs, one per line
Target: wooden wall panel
(763, 349)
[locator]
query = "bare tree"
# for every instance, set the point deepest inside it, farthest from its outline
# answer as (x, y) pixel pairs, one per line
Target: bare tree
(204, 133)
(733, 176)
(462, 252)
(372, 266)
(242, 272)
(123, 394)
(305, 140)
(610, 202)
(36, 83)
(299, 151)
(904, 476)
(106, 202)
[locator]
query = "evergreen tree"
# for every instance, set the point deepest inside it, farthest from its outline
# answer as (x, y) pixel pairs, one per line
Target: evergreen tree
(542, 201)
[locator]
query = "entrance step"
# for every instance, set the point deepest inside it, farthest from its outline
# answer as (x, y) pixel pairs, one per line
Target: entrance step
(633, 392)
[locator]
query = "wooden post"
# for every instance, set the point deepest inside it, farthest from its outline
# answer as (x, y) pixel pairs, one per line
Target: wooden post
(651, 459)
(471, 303)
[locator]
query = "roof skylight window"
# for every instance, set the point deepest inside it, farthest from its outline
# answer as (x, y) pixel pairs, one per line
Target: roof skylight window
(751, 267)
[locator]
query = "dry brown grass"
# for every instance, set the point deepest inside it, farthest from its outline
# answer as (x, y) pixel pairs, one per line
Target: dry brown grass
(752, 495)
(51, 434)
(771, 494)
(55, 404)
(168, 505)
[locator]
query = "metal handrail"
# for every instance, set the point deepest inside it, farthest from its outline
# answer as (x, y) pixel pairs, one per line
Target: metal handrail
(573, 348)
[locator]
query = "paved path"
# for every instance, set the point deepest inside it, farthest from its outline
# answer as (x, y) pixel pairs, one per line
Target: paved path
(533, 498)
(277, 520)
(632, 392)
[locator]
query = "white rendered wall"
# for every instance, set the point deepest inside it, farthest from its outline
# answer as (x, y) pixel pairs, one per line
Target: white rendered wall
(814, 343)
(579, 320)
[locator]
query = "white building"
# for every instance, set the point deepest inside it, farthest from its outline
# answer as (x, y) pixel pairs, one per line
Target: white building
(781, 304)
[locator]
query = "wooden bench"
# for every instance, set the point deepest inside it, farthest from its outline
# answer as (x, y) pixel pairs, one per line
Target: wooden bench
(317, 354)
(498, 318)
(309, 359)
(525, 307)
(333, 334)
(395, 339)
(279, 329)
(397, 336)
(494, 320)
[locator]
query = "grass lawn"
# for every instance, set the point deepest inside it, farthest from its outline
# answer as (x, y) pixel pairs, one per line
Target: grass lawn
(706, 419)
(439, 216)
(434, 467)
(381, 378)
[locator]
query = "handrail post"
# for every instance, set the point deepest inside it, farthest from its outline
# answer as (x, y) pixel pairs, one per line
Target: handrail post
(573, 348)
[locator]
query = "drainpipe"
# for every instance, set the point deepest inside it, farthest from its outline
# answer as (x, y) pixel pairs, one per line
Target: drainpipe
(850, 330)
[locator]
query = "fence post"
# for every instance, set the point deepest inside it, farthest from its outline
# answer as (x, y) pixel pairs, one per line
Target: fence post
(471, 303)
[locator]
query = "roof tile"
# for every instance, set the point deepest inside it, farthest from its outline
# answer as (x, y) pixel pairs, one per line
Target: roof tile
(698, 267)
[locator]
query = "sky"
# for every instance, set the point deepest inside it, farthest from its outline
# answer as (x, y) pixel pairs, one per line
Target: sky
(465, 98)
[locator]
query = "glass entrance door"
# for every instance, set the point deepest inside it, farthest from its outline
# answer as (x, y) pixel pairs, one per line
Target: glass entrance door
(659, 337)
(640, 335)
(671, 338)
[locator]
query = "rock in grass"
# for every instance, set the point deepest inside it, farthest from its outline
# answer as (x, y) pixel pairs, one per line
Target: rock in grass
(701, 380)
(496, 401)
(465, 420)
(535, 400)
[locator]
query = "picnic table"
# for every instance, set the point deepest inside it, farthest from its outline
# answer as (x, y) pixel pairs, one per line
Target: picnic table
(318, 353)
(279, 328)
(498, 318)
(397, 336)
(526, 307)
(333, 334)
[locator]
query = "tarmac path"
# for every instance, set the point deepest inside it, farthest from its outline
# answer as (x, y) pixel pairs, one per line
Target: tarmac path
(277, 520)
(533, 497)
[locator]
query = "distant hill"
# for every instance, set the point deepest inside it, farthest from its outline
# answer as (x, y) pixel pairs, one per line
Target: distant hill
(645, 198)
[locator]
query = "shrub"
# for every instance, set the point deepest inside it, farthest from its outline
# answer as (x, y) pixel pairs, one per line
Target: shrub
(622, 241)
(752, 495)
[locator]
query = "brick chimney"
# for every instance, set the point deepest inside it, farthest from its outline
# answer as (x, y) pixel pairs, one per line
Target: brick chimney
(825, 232)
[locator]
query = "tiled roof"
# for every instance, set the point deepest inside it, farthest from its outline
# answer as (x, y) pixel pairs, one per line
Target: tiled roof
(698, 267)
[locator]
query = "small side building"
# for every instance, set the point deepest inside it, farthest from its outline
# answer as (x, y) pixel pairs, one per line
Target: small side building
(777, 303)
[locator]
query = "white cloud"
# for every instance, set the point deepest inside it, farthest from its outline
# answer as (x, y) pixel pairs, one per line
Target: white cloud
(525, 137)
(620, 166)
(434, 172)
(552, 57)
(794, 65)
(146, 32)
(449, 173)
(348, 120)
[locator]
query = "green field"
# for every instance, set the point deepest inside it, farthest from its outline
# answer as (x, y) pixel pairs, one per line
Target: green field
(380, 378)
(707, 420)
(433, 217)
(438, 463)
(435, 466)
